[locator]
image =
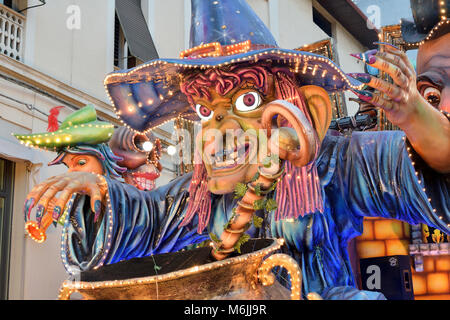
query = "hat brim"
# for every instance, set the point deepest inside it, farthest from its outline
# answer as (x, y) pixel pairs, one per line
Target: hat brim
(90, 133)
(409, 32)
(149, 95)
(413, 37)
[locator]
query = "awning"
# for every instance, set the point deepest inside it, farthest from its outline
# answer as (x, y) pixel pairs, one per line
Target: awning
(135, 29)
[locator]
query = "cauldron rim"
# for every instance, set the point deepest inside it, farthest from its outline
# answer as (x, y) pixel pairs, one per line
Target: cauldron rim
(79, 285)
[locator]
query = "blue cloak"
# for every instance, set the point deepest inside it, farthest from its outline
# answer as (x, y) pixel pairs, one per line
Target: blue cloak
(369, 174)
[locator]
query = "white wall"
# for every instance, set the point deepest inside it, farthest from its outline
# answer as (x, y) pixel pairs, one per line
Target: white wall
(82, 58)
(36, 271)
(78, 57)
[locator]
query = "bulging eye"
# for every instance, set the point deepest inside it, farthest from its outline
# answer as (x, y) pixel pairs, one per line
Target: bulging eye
(432, 95)
(248, 101)
(142, 143)
(203, 112)
(81, 162)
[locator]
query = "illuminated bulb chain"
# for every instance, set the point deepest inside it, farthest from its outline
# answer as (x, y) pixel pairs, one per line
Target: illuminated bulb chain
(267, 278)
(64, 236)
(443, 21)
(65, 255)
(421, 183)
(69, 287)
(116, 77)
(443, 9)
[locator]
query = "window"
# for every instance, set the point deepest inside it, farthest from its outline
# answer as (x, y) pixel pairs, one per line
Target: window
(7, 3)
(133, 43)
(6, 187)
(322, 22)
(123, 59)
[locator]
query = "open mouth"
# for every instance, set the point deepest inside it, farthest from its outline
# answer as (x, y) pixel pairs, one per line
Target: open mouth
(231, 158)
(145, 180)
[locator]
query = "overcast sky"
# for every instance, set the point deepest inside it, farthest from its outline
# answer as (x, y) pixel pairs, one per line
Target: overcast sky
(390, 10)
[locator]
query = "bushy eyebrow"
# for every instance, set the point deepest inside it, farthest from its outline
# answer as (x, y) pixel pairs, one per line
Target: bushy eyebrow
(433, 77)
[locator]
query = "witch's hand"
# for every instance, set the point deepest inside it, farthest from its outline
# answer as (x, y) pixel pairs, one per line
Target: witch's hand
(401, 99)
(67, 184)
(427, 129)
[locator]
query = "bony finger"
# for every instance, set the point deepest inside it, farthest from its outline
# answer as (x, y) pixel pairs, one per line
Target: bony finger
(97, 209)
(391, 90)
(49, 194)
(375, 99)
(395, 72)
(367, 57)
(397, 51)
(396, 61)
(39, 190)
(371, 59)
(40, 210)
(28, 206)
(390, 45)
(96, 203)
(56, 214)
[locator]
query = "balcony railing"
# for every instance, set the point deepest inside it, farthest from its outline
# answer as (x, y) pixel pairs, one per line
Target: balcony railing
(12, 27)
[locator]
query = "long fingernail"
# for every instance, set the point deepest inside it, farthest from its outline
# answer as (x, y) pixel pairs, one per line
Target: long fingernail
(364, 95)
(39, 213)
(27, 208)
(56, 213)
(98, 208)
(367, 57)
(362, 77)
(386, 44)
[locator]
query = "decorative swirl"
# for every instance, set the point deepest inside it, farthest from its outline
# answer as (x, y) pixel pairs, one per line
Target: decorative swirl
(267, 278)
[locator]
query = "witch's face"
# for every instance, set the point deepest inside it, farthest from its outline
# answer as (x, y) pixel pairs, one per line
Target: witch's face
(83, 162)
(231, 125)
(137, 152)
(433, 72)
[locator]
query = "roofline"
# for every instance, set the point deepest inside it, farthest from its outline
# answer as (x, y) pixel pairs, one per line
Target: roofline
(365, 32)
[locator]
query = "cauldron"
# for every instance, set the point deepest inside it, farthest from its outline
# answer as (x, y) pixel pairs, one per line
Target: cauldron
(193, 275)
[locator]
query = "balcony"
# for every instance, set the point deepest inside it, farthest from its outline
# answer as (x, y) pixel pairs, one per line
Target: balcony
(12, 27)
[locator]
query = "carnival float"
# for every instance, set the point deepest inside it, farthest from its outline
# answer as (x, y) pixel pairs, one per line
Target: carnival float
(278, 200)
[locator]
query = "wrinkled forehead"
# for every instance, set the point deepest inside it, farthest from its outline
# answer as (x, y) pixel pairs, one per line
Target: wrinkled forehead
(434, 56)
(213, 83)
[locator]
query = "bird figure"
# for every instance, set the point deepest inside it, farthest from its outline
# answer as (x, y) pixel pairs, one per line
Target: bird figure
(53, 119)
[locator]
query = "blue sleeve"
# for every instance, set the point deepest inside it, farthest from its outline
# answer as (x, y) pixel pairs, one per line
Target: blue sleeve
(134, 224)
(380, 176)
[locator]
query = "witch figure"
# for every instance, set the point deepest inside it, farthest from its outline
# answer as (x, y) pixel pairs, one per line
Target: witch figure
(81, 145)
(307, 187)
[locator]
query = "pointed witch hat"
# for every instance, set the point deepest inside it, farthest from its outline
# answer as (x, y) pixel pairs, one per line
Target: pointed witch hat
(79, 128)
(223, 33)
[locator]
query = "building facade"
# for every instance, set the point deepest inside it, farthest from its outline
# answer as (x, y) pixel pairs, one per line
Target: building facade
(58, 53)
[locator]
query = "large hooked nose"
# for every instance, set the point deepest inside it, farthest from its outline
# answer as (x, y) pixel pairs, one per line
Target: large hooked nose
(220, 114)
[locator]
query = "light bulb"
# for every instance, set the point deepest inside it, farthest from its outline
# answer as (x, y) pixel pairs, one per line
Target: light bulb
(171, 150)
(147, 146)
